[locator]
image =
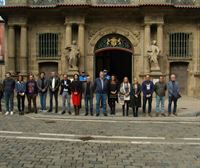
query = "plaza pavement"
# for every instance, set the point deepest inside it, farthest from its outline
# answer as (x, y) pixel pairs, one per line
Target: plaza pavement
(49, 140)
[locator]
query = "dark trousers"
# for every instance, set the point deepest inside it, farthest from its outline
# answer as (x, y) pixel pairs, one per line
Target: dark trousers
(174, 100)
(9, 101)
(88, 101)
(149, 99)
(55, 95)
(32, 97)
(20, 102)
(135, 111)
(126, 104)
(112, 105)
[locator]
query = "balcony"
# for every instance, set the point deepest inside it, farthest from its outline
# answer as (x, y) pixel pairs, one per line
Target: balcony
(101, 2)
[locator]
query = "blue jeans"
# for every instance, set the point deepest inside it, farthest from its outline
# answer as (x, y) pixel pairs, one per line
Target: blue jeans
(9, 100)
(101, 97)
(43, 97)
(160, 100)
(66, 97)
(88, 100)
(172, 99)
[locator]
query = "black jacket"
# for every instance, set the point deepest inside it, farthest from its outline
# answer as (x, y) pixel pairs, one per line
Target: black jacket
(76, 86)
(57, 84)
(63, 86)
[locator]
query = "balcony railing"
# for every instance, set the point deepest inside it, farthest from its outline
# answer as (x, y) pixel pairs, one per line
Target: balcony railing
(102, 2)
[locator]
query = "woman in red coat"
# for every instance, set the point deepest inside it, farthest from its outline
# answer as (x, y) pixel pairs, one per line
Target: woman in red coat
(76, 89)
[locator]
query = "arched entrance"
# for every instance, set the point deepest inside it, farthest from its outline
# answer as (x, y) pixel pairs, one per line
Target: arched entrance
(113, 52)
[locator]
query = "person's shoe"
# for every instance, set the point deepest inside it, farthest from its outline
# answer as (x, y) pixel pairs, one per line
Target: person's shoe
(169, 115)
(11, 113)
(56, 111)
(49, 111)
(86, 114)
(36, 112)
(175, 114)
(157, 114)
(163, 114)
(69, 112)
(150, 115)
(63, 112)
(7, 113)
(105, 114)
(97, 114)
(91, 114)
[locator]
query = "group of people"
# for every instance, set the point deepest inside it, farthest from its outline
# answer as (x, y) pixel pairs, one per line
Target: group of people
(105, 88)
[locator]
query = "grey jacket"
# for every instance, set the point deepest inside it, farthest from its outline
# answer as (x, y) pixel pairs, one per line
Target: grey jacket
(39, 85)
(91, 89)
(173, 91)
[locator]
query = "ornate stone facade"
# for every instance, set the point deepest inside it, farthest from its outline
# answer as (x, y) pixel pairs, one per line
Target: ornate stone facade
(117, 21)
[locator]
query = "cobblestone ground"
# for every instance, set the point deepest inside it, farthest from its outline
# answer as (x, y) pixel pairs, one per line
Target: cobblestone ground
(54, 141)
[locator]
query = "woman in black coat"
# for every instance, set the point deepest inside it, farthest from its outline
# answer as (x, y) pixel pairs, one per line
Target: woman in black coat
(136, 97)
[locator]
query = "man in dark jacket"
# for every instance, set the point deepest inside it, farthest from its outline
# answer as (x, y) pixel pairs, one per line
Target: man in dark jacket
(88, 94)
(160, 89)
(173, 93)
(9, 86)
(43, 84)
(147, 89)
(101, 89)
(54, 83)
(66, 94)
(32, 92)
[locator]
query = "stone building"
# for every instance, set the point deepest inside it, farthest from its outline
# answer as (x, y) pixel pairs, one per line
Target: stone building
(111, 34)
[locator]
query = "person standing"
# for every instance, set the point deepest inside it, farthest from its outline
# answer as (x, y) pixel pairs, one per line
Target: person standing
(43, 84)
(54, 83)
(147, 89)
(124, 95)
(66, 94)
(113, 94)
(32, 92)
(1, 95)
(136, 97)
(9, 86)
(88, 94)
(173, 93)
(160, 89)
(20, 88)
(101, 89)
(76, 89)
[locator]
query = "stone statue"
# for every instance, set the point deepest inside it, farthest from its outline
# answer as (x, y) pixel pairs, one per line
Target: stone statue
(153, 54)
(73, 55)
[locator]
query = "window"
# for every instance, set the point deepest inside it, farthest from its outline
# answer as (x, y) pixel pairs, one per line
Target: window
(180, 44)
(49, 45)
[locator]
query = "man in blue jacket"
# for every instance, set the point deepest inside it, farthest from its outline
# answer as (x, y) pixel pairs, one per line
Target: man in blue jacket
(147, 89)
(173, 93)
(101, 89)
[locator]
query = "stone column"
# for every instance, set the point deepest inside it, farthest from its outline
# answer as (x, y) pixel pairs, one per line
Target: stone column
(23, 59)
(81, 44)
(11, 49)
(68, 37)
(68, 41)
(160, 37)
(147, 42)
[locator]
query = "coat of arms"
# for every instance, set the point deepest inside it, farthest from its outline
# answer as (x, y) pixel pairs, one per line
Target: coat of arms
(113, 41)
